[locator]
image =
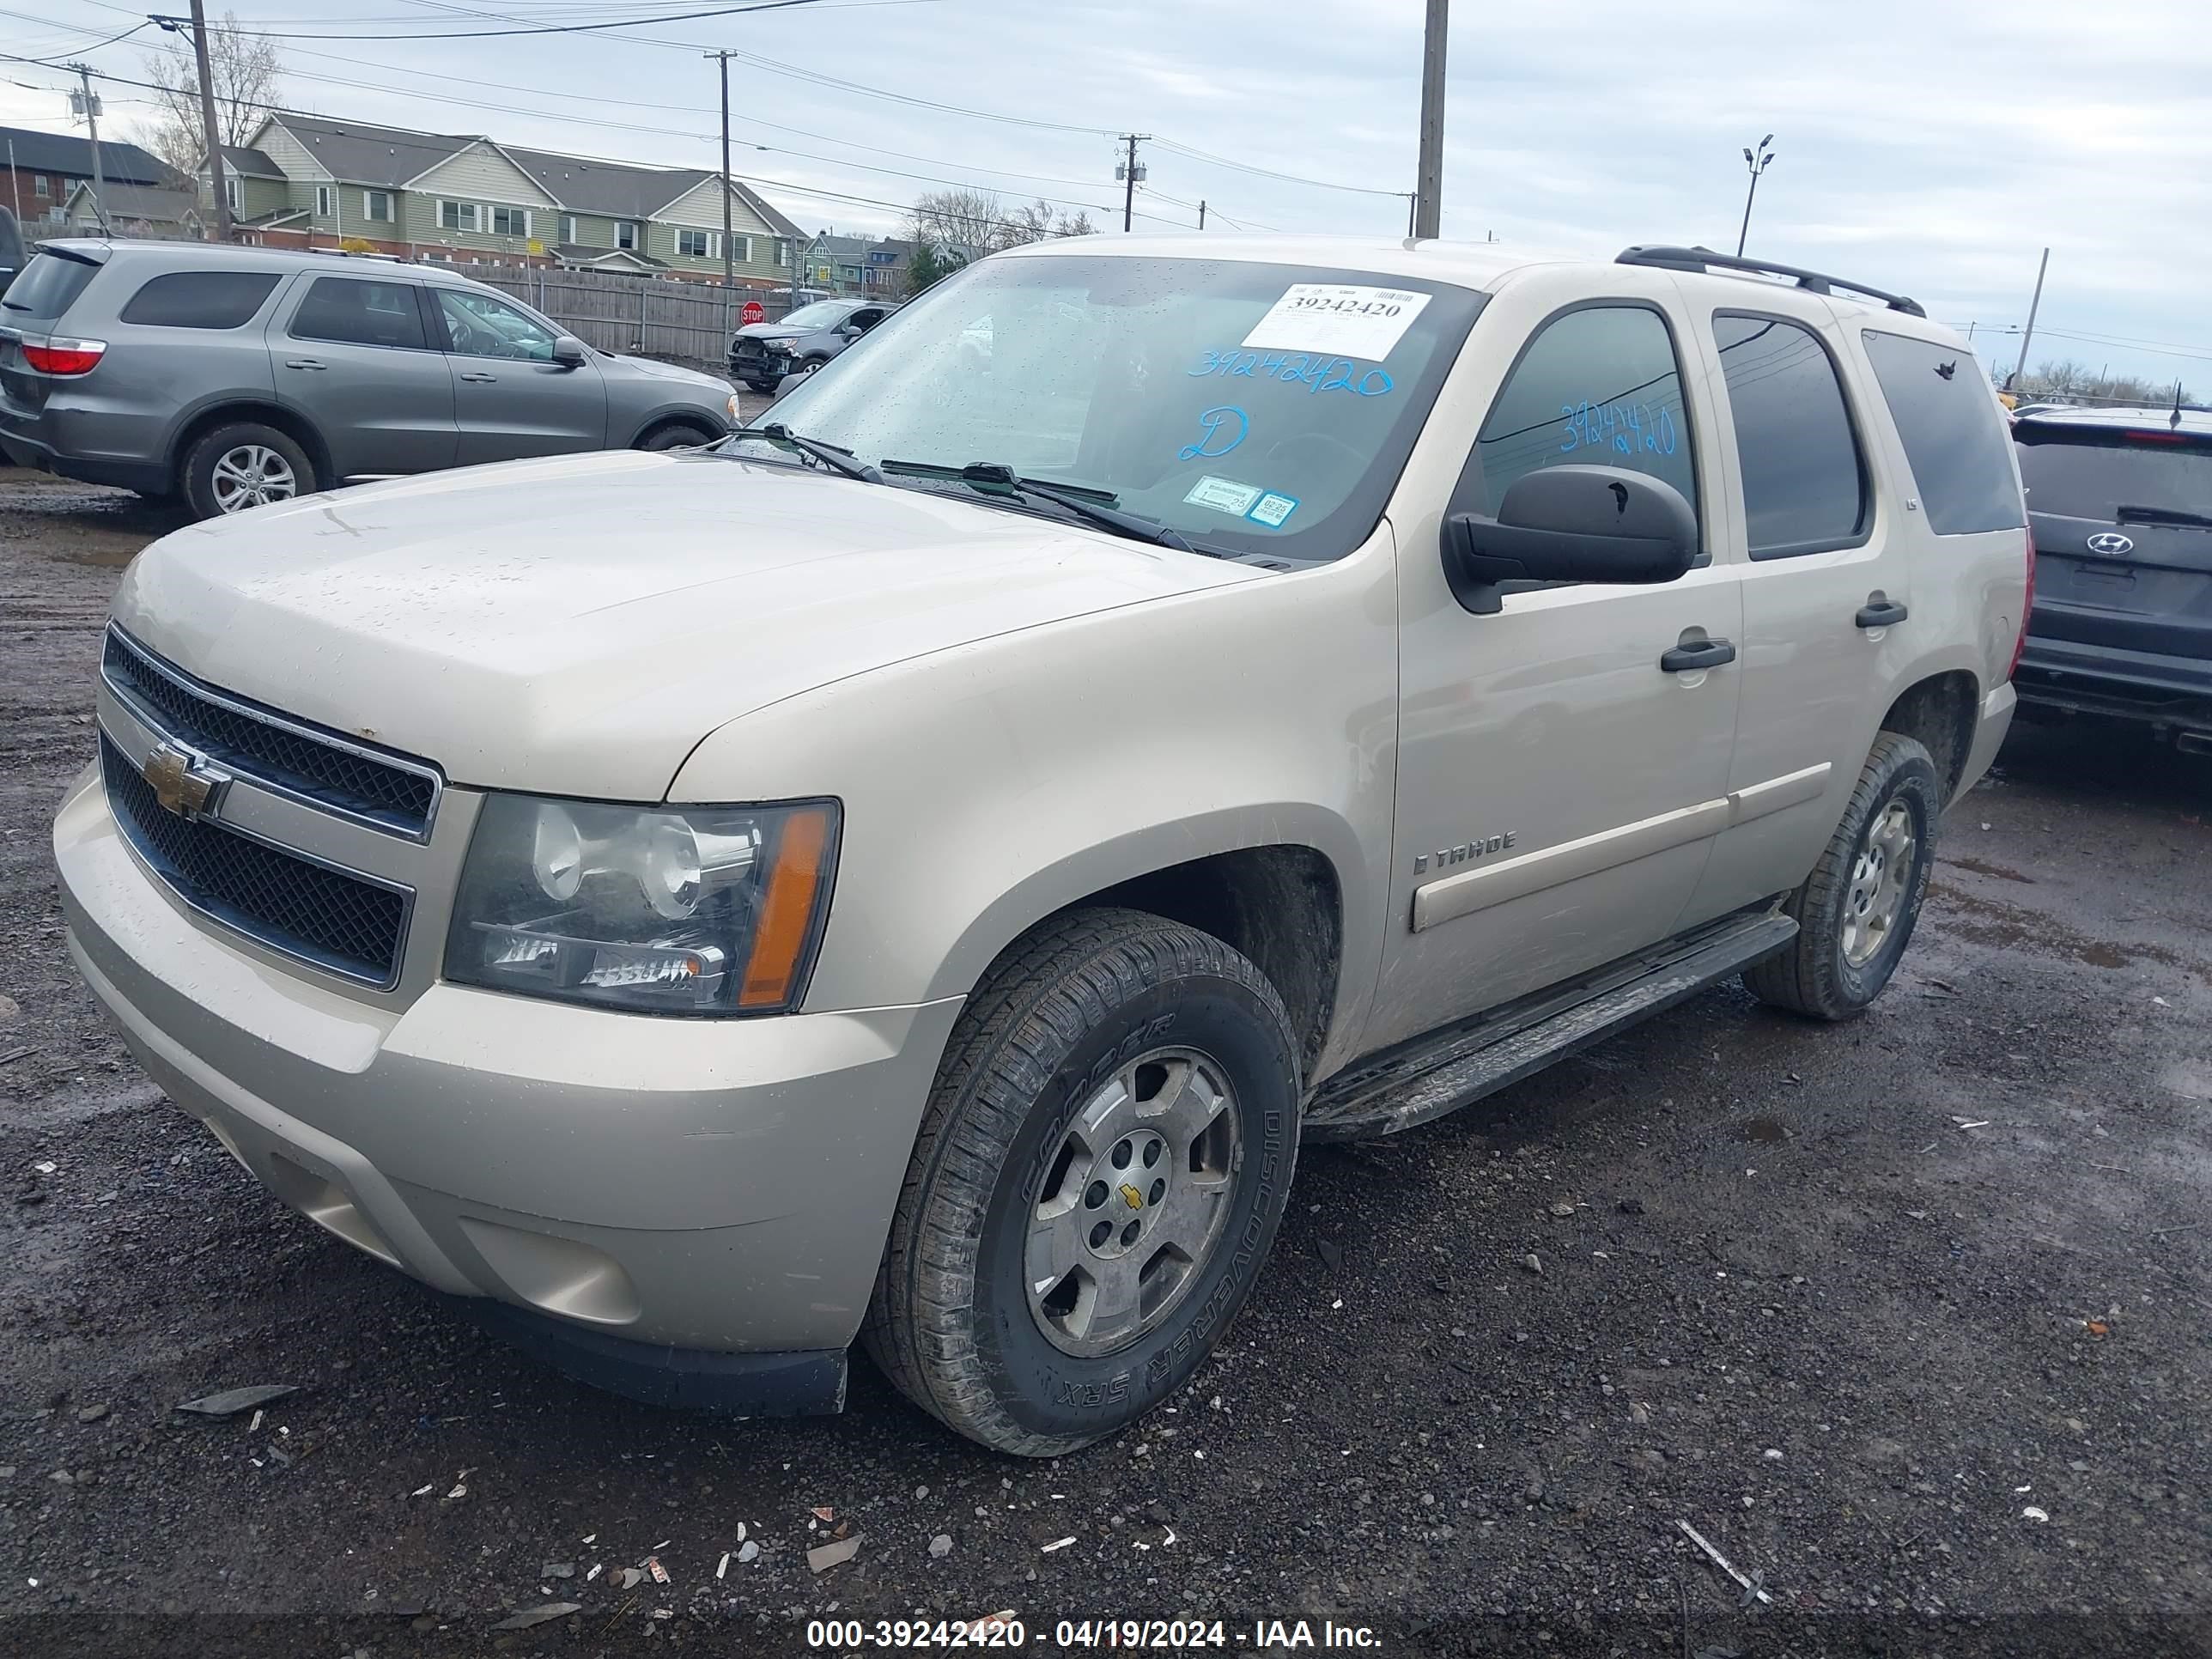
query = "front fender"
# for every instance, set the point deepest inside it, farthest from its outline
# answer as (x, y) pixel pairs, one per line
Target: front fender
(988, 786)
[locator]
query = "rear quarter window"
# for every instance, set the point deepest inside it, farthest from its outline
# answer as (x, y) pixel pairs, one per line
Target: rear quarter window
(46, 287)
(1947, 418)
(200, 299)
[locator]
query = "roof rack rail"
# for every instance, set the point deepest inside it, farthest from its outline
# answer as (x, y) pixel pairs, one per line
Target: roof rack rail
(1704, 258)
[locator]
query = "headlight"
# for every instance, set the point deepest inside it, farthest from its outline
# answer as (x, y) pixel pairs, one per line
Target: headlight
(700, 910)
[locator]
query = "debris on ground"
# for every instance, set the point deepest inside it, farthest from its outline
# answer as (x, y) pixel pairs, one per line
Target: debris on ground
(989, 1624)
(1331, 1253)
(1533, 1263)
(632, 1577)
(91, 1413)
(824, 1556)
(535, 1616)
(748, 1552)
(659, 1573)
(557, 1570)
(1751, 1589)
(44, 1165)
(231, 1401)
(2032, 1513)
(1056, 1544)
(723, 1571)
(941, 1546)
(824, 1513)
(1563, 1209)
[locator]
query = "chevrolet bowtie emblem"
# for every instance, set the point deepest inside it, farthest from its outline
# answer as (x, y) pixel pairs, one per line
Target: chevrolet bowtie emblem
(1132, 1197)
(184, 783)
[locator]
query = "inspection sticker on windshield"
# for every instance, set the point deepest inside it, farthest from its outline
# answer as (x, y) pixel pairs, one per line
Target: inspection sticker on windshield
(1355, 321)
(1271, 509)
(1223, 496)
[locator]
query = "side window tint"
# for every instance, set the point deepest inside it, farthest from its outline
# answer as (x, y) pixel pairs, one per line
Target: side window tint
(199, 299)
(1600, 387)
(1947, 418)
(481, 326)
(1804, 485)
(353, 312)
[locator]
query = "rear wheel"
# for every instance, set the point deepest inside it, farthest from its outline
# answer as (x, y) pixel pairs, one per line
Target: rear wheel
(1104, 1160)
(245, 465)
(1856, 911)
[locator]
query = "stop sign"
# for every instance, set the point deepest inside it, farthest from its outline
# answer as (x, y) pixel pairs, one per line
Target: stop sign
(754, 311)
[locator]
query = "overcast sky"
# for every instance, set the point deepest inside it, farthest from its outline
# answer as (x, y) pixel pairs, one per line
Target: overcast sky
(1929, 146)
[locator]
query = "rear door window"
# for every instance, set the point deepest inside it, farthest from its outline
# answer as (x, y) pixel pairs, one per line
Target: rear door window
(46, 287)
(351, 311)
(200, 299)
(2117, 477)
(1804, 485)
(1600, 387)
(1955, 440)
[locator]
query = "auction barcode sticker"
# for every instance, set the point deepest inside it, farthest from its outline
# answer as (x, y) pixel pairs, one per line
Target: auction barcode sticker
(1350, 320)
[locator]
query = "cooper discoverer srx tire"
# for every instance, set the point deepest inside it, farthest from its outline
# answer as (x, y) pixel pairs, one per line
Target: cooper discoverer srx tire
(1105, 1157)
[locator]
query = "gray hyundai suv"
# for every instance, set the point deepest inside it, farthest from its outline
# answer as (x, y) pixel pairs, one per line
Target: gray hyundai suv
(231, 377)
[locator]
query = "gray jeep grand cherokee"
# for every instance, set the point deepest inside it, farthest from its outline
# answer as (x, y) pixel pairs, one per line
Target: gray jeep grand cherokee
(234, 376)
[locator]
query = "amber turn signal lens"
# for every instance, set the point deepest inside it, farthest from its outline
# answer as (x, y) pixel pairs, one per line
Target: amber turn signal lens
(788, 913)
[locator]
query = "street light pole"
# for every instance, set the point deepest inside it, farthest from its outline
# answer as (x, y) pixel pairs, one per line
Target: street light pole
(2028, 333)
(1755, 166)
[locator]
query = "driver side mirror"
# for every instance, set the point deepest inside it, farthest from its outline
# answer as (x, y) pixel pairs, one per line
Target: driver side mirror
(568, 351)
(1571, 524)
(850, 331)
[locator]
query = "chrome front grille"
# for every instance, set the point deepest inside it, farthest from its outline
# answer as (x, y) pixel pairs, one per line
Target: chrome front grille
(319, 767)
(341, 922)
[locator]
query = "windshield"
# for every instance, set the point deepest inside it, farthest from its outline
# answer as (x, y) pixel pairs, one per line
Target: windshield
(1253, 408)
(822, 313)
(2095, 474)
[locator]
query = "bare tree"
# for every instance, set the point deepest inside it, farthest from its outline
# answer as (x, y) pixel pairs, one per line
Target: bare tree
(2064, 381)
(246, 70)
(1039, 222)
(969, 223)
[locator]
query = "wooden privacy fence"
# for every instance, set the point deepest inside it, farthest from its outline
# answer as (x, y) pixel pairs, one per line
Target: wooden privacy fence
(650, 316)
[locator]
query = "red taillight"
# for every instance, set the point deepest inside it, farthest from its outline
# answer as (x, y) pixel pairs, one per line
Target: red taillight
(64, 357)
(2026, 606)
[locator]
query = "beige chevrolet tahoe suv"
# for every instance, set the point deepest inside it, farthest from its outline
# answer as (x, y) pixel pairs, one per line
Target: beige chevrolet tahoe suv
(918, 871)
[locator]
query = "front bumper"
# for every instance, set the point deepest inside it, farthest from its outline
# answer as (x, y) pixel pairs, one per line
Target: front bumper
(696, 1185)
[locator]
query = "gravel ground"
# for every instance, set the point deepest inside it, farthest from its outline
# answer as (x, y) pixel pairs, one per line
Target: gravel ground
(1908, 1316)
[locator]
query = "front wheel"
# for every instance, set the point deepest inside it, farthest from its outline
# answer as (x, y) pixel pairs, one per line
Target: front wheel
(1856, 911)
(673, 437)
(1104, 1160)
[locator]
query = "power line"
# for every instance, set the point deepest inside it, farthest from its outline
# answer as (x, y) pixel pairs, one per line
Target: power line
(530, 28)
(1270, 173)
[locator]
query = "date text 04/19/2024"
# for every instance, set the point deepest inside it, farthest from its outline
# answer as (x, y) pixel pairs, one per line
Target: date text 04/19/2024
(1261, 1635)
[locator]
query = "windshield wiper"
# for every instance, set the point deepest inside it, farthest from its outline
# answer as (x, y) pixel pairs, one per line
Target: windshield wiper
(1093, 507)
(2164, 516)
(831, 455)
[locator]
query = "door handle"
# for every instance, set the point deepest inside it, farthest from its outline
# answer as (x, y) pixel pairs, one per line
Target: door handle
(301, 362)
(1888, 613)
(1687, 659)
(480, 380)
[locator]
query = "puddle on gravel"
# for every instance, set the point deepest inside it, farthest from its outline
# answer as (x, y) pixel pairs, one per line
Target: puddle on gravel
(1996, 870)
(1988, 921)
(1763, 1129)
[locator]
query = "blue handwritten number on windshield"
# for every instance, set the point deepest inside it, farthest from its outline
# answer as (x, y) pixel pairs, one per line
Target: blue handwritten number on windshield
(1223, 428)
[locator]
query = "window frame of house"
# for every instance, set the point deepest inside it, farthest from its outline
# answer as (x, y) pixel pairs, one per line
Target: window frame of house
(631, 230)
(40, 185)
(233, 192)
(326, 201)
(466, 228)
(567, 227)
(370, 213)
(705, 248)
(513, 216)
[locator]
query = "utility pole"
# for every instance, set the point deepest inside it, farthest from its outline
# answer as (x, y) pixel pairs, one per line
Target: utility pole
(1757, 166)
(1429, 200)
(88, 102)
(211, 135)
(2034, 306)
(1201, 213)
(1130, 172)
(729, 261)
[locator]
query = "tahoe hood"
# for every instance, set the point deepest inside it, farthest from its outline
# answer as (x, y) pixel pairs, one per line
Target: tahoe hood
(577, 625)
